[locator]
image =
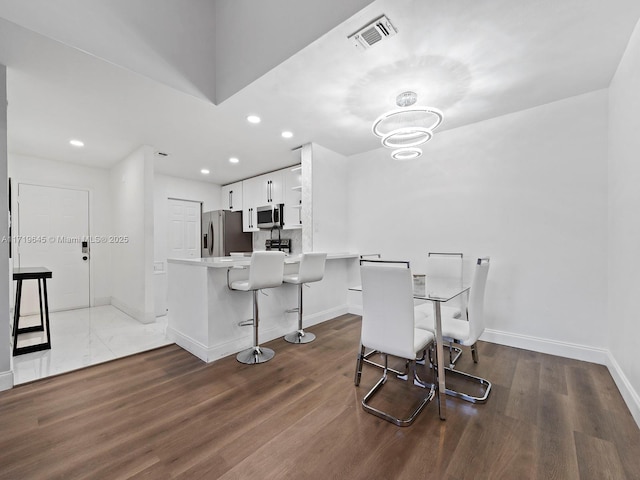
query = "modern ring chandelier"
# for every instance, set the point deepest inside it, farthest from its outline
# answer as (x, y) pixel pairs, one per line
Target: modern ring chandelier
(404, 128)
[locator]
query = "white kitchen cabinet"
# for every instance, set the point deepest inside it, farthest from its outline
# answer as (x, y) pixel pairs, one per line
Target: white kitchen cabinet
(249, 218)
(292, 197)
(268, 189)
(250, 188)
(232, 197)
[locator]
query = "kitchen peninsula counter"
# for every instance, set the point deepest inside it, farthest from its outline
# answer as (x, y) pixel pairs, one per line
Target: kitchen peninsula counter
(204, 314)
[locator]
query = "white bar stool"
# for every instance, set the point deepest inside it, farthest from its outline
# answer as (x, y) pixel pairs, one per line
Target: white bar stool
(265, 271)
(311, 270)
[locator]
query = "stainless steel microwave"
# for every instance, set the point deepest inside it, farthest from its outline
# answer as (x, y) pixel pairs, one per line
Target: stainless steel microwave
(270, 216)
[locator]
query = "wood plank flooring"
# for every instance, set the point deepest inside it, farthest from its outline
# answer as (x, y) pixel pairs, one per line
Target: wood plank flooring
(165, 414)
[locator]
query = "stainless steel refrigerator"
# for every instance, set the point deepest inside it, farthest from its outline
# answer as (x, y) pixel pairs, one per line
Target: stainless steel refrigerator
(222, 234)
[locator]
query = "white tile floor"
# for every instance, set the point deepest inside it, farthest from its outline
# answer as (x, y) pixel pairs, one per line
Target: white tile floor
(84, 337)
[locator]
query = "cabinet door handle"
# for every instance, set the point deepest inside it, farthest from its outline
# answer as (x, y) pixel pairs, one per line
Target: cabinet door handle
(230, 199)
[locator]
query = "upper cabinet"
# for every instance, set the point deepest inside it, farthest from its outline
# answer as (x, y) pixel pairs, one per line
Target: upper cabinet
(293, 197)
(232, 197)
(282, 186)
(268, 189)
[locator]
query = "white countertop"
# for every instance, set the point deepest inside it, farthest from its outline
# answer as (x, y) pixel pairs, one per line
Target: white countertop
(240, 261)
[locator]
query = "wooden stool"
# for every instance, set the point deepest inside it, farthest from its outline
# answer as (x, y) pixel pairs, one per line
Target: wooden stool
(31, 273)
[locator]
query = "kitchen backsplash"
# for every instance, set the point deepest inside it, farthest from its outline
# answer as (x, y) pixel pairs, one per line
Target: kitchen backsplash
(295, 235)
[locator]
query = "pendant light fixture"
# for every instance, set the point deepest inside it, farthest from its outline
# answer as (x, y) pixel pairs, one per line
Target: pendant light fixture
(404, 128)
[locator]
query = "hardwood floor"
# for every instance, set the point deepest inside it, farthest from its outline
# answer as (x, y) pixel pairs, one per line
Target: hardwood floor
(165, 414)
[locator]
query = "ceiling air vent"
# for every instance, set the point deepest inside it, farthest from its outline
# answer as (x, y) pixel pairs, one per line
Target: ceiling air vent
(373, 33)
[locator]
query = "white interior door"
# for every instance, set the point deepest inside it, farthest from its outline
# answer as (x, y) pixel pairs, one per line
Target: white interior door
(52, 223)
(184, 229)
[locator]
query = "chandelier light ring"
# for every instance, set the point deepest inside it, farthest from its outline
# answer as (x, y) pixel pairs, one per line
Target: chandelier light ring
(401, 112)
(408, 153)
(407, 137)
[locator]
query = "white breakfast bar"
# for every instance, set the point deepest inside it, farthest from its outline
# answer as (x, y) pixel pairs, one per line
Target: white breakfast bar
(204, 314)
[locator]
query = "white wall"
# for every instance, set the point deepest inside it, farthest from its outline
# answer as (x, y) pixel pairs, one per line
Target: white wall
(623, 227)
(250, 39)
(149, 41)
(6, 376)
(38, 171)
(330, 194)
(166, 187)
(527, 189)
(132, 215)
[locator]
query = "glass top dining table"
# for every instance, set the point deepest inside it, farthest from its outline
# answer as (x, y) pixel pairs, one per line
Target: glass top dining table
(437, 290)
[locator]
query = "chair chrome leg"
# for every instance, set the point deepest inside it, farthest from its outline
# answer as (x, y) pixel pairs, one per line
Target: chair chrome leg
(365, 358)
(474, 352)
(454, 359)
(255, 354)
(386, 416)
(356, 380)
(462, 395)
(465, 396)
(300, 336)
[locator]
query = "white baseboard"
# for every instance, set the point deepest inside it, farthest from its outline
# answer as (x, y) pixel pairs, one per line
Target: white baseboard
(355, 309)
(142, 317)
(101, 301)
(319, 317)
(215, 352)
(6, 380)
(546, 345)
(630, 396)
(189, 344)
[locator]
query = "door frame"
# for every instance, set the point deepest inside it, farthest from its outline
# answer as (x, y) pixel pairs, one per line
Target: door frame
(15, 222)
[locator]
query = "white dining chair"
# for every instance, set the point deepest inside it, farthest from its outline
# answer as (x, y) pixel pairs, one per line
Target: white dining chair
(388, 326)
(311, 269)
(444, 264)
(449, 265)
(266, 270)
(376, 258)
(465, 332)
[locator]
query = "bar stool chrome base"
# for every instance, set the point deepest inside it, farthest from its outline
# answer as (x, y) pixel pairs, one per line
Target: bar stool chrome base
(300, 336)
(255, 355)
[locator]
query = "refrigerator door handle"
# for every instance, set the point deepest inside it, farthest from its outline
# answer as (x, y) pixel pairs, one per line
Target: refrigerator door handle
(212, 238)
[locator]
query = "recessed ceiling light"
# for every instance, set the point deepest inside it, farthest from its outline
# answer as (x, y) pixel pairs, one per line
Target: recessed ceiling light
(253, 119)
(233, 160)
(204, 171)
(76, 143)
(287, 134)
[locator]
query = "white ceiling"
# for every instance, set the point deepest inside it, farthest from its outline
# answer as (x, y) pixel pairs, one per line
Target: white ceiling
(473, 60)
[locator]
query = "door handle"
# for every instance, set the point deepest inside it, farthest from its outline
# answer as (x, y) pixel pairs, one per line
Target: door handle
(212, 238)
(230, 199)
